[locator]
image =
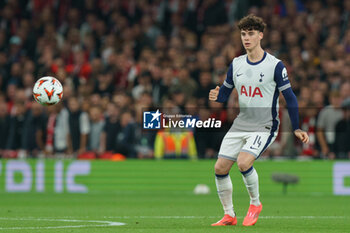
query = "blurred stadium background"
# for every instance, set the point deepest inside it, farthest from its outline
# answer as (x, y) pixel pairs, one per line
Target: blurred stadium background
(119, 58)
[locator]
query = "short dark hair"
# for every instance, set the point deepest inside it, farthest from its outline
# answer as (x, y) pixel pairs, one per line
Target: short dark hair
(252, 22)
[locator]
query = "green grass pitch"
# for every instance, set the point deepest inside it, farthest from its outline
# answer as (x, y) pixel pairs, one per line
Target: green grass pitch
(157, 196)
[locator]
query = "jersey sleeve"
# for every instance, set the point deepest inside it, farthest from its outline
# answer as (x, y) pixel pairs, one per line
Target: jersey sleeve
(292, 106)
(281, 77)
(227, 87)
(229, 78)
(283, 85)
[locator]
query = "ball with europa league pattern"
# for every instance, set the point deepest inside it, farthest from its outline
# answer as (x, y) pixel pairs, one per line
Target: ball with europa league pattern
(48, 91)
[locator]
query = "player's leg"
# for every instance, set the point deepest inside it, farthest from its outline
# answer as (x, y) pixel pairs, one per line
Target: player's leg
(245, 162)
(224, 188)
(250, 176)
(224, 184)
(229, 150)
(256, 144)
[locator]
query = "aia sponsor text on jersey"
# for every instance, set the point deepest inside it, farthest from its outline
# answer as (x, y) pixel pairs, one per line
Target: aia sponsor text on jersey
(251, 91)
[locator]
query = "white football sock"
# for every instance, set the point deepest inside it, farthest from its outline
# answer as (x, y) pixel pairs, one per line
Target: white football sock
(251, 181)
(224, 187)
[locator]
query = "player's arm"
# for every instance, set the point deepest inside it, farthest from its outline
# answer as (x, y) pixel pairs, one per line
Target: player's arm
(221, 94)
(293, 111)
(283, 84)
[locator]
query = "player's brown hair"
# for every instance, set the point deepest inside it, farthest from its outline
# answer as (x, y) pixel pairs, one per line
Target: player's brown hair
(252, 22)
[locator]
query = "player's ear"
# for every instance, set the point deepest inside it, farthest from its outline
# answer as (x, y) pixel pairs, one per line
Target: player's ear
(261, 35)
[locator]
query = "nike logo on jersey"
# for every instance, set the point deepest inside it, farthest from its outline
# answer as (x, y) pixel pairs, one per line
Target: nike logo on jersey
(253, 148)
(239, 74)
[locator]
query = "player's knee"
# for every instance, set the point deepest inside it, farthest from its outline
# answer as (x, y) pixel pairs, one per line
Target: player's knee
(220, 169)
(243, 165)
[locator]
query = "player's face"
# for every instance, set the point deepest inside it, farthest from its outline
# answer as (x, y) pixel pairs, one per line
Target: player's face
(251, 39)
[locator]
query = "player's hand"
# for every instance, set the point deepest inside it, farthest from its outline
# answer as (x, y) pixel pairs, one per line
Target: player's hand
(213, 94)
(302, 135)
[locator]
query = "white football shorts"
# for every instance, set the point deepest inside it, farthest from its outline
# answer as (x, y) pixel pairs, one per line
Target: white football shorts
(254, 143)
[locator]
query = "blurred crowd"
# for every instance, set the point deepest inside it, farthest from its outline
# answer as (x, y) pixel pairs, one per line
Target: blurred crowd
(119, 58)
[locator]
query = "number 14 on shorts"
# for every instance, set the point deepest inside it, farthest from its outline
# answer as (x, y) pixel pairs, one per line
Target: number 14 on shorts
(256, 143)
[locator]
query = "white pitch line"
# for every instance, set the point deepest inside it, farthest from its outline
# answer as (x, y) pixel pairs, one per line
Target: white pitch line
(199, 217)
(100, 223)
(69, 218)
(305, 217)
(110, 223)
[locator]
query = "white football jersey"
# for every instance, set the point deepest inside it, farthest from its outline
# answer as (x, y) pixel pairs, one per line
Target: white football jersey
(258, 86)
